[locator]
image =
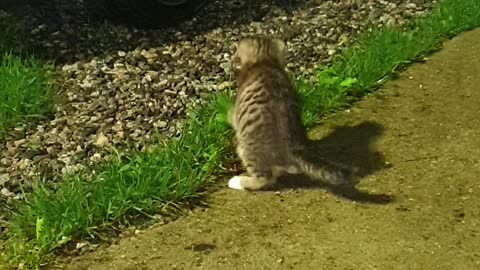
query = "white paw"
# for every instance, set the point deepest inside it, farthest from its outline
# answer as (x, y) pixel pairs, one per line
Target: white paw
(234, 183)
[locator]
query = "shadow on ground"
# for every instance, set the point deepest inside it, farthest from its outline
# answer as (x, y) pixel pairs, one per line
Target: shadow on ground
(349, 147)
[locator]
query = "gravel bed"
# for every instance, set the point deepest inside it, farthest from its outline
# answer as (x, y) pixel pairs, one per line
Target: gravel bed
(121, 85)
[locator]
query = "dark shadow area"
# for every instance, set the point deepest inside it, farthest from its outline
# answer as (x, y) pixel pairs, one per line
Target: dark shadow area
(349, 147)
(64, 31)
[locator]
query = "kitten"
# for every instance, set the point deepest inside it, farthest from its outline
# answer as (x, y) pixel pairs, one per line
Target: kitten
(267, 122)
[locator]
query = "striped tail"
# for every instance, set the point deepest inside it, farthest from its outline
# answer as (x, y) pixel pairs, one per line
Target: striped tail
(327, 172)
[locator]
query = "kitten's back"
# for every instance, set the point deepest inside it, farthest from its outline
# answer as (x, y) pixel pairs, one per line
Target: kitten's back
(263, 109)
(267, 119)
(262, 112)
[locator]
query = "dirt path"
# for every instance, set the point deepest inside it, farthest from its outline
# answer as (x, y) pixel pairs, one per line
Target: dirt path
(418, 141)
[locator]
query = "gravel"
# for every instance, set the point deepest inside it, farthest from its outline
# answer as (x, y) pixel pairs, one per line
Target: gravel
(121, 86)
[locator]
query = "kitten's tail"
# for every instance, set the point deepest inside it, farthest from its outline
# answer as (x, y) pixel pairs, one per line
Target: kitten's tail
(327, 172)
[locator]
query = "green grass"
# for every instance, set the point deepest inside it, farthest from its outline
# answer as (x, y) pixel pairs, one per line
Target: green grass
(139, 184)
(143, 183)
(378, 53)
(26, 91)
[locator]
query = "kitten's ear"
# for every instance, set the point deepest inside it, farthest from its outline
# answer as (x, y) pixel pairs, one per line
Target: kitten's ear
(243, 50)
(279, 45)
(280, 50)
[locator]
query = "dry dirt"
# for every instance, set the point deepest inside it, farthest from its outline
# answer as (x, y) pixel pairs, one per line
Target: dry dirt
(417, 206)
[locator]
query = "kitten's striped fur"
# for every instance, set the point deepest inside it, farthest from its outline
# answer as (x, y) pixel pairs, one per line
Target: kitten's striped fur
(266, 118)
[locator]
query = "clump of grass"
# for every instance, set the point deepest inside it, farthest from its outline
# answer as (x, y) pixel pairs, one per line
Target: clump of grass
(145, 182)
(327, 94)
(140, 184)
(222, 105)
(379, 53)
(26, 91)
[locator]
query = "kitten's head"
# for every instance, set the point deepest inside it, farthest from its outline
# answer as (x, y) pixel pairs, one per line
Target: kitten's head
(254, 49)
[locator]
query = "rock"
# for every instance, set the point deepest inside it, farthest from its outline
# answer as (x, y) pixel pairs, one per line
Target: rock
(6, 193)
(411, 6)
(5, 162)
(4, 178)
(20, 142)
(160, 124)
(101, 140)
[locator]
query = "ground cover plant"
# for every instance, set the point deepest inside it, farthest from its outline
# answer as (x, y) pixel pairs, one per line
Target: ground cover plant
(26, 90)
(380, 52)
(84, 206)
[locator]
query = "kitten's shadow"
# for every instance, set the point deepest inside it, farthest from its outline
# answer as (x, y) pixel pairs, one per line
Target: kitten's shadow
(347, 146)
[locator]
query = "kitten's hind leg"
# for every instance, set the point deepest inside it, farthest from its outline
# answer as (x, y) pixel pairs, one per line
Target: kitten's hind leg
(242, 182)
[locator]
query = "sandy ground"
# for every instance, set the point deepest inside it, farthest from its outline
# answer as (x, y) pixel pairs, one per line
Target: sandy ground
(417, 141)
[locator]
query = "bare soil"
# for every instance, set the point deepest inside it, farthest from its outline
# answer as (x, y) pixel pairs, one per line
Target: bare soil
(417, 206)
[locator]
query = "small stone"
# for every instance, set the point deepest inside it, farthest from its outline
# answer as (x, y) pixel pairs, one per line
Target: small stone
(101, 140)
(70, 121)
(411, 6)
(5, 162)
(22, 164)
(160, 124)
(4, 179)
(96, 157)
(19, 142)
(80, 245)
(7, 193)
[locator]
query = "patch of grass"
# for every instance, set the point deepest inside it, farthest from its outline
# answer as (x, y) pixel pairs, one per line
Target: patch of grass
(143, 183)
(379, 53)
(140, 184)
(26, 91)
(223, 103)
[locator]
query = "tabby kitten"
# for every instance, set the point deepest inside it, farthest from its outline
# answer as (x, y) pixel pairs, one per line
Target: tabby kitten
(266, 118)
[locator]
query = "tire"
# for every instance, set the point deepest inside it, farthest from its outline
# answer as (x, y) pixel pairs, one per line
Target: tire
(144, 13)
